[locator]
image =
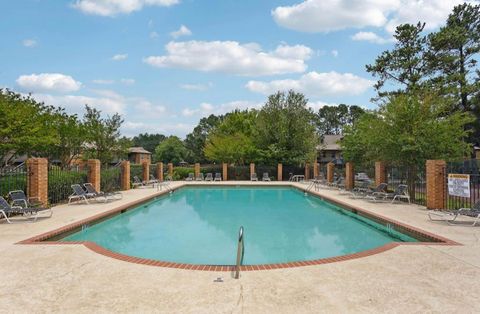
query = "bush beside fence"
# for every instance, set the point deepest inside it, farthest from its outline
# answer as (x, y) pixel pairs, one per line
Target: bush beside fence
(60, 182)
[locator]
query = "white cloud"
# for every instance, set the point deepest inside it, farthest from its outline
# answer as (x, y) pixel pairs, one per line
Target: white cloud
(132, 128)
(371, 37)
(103, 82)
(115, 7)
(153, 35)
(197, 87)
(120, 57)
(182, 31)
(316, 105)
(29, 43)
(334, 53)
(53, 82)
(232, 57)
(325, 16)
(205, 109)
(127, 81)
(315, 84)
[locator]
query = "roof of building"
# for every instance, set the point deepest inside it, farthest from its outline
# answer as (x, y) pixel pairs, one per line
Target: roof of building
(330, 142)
(138, 150)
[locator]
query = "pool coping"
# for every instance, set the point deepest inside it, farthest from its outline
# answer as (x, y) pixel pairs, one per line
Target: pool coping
(404, 228)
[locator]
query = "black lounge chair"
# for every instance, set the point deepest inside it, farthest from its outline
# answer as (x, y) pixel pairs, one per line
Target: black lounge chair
(253, 177)
(6, 210)
(19, 198)
(218, 177)
(137, 182)
(209, 177)
(451, 217)
(401, 192)
(265, 177)
(91, 191)
(79, 194)
(366, 192)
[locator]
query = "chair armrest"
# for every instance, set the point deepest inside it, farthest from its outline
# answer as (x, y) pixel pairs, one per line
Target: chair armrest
(23, 203)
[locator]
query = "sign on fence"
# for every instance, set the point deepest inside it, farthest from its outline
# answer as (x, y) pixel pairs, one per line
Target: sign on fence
(459, 184)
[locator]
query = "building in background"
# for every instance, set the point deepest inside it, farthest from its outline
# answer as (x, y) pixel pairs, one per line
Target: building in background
(137, 155)
(330, 150)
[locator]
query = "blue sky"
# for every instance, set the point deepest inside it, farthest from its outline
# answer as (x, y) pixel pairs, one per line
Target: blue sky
(164, 64)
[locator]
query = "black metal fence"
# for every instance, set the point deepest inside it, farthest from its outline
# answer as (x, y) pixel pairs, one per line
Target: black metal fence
(111, 178)
(270, 171)
(238, 173)
(13, 178)
(292, 170)
(136, 170)
(153, 170)
(470, 167)
(414, 177)
(60, 181)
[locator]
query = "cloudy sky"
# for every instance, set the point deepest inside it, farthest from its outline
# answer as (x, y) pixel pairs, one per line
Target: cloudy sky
(164, 64)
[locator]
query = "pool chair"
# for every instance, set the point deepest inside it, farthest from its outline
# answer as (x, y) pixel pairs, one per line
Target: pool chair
(265, 177)
(79, 194)
(401, 192)
(31, 205)
(253, 177)
(365, 191)
(218, 177)
(152, 180)
(6, 210)
(209, 177)
(451, 217)
(108, 195)
(137, 182)
(190, 177)
(199, 177)
(336, 183)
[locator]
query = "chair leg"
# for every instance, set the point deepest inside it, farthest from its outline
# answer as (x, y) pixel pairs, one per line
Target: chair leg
(5, 215)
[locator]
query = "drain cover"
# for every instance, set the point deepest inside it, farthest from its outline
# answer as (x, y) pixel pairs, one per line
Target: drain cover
(219, 279)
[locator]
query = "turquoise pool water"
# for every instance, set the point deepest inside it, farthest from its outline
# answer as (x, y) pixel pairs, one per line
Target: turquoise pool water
(199, 225)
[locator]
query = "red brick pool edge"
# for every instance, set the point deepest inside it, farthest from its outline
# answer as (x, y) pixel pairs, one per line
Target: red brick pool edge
(43, 238)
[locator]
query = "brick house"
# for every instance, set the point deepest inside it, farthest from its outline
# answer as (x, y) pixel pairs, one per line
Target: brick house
(137, 155)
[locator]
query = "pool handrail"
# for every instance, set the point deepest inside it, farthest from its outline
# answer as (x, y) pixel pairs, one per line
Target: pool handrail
(239, 252)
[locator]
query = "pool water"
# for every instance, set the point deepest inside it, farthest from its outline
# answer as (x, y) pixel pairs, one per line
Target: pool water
(199, 225)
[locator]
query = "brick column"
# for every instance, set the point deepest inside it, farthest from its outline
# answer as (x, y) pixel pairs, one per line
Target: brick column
(436, 184)
(170, 170)
(160, 171)
(125, 181)
(307, 171)
(330, 172)
(225, 171)
(349, 176)
(315, 169)
(146, 170)
(197, 170)
(37, 181)
(94, 173)
(280, 172)
(252, 169)
(380, 172)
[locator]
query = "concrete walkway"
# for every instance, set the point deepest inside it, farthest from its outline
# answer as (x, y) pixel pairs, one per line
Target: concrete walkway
(408, 278)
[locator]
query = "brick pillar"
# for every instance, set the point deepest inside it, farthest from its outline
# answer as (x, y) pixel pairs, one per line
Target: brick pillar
(37, 181)
(225, 171)
(436, 184)
(349, 176)
(330, 172)
(125, 181)
(197, 170)
(280, 172)
(315, 169)
(307, 171)
(170, 170)
(146, 170)
(94, 173)
(380, 172)
(160, 171)
(252, 169)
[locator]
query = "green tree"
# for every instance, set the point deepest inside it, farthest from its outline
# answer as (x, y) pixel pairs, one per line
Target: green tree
(104, 141)
(172, 149)
(403, 67)
(195, 141)
(71, 138)
(333, 119)
(408, 130)
(286, 129)
(148, 141)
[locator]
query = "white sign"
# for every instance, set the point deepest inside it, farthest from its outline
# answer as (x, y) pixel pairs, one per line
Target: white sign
(459, 184)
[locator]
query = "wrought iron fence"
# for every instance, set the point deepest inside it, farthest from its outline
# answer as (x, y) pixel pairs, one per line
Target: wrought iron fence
(238, 173)
(414, 177)
(292, 170)
(136, 170)
(470, 167)
(153, 170)
(111, 178)
(271, 171)
(13, 178)
(60, 181)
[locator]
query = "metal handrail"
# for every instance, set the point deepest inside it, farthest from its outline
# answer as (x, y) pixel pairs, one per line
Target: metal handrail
(239, 252)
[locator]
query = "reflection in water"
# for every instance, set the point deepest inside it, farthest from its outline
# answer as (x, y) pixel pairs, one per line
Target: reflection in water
(200, 225)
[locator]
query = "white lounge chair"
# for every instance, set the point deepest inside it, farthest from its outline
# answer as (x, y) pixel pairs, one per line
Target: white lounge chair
(265, 177)
(253, 177)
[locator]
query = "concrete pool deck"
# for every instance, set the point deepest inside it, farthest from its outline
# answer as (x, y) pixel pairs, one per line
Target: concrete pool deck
(72, 278)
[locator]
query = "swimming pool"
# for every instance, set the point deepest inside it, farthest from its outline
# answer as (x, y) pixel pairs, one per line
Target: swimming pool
(199, 225)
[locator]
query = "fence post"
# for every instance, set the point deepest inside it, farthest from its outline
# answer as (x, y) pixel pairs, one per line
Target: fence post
(380, 172)
(197, 170)
(94, 173)
(125, 181)
(330, 171)
(315, 169)
(170, 170)
(436, 184)
(146, 170)
(160, 171)
(279, 172)
(252, 169)
(225, 171)
(349, 176)
(37, 180)
(307, 170)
